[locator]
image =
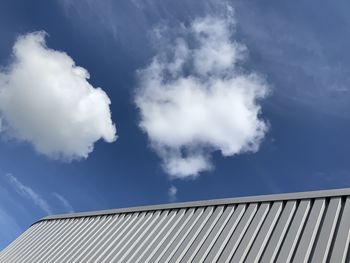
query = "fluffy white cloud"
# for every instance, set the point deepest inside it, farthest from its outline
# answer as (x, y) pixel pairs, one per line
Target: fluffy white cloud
(195, 98)
(45, 99)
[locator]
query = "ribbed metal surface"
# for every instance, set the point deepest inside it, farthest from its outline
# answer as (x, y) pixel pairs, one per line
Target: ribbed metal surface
(299, 230)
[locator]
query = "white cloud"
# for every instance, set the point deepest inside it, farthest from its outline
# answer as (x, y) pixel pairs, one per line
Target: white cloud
(195, 98)
(172, 193)
(29, 193)
(65, 203)
(45, 99)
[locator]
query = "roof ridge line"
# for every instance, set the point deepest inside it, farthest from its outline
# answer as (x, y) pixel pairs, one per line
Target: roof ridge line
(212, 202)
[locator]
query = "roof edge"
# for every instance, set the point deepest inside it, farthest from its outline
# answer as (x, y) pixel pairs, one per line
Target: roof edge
(223, 201)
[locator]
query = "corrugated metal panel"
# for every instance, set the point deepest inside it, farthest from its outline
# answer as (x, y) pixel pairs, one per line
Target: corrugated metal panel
(305, 229)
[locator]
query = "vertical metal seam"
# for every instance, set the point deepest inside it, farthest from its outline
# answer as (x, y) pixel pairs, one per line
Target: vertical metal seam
(97, 246)
(136, 252)
(214, 234)
(88, 240)
(202, 236)
(152, 247)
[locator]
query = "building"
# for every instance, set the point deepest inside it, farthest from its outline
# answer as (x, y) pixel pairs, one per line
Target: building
(298, 227)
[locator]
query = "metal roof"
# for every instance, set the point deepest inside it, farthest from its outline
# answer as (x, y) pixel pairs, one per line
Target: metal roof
(299, 227)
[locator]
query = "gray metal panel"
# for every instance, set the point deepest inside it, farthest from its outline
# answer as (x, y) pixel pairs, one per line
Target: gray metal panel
(252, 231)
(163, 235)
(341, 244)
(237, 235)
(214, 234)
(139, 237)
(156, 233)
(188, 241)
(198, 242)
(16, 244)
(311, 229)
(190, 215)
(307, 240)
(294, 231)
(133, 234)
(45, 239)
(25, 249)
(94, 247)
(327, 231)
(182, 235)
(225, 235)
(52, 247)
(123, 235)
(21, 242)
(111, 237)
(66, 251)
(87, 243)
(264, 235)
(278, 234)
(61, 246)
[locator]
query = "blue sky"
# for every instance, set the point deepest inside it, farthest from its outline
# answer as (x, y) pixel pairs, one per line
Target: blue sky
(289, 131)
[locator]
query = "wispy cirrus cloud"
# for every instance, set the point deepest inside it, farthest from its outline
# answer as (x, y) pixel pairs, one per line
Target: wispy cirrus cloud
(64, 202)
(195, 97)
(29, 193)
